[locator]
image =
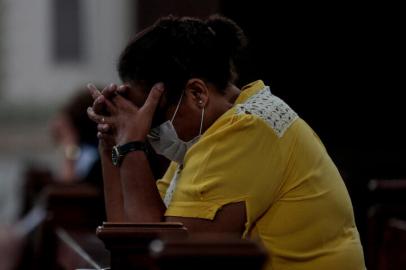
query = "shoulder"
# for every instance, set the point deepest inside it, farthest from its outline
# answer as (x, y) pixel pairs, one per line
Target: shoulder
(261, 116)
(270, 109)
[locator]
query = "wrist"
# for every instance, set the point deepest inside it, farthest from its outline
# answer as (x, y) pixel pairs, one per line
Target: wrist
(119, 152)
(105, 150)
(129, 139)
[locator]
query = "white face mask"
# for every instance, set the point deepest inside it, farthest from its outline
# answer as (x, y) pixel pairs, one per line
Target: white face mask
(165, 141)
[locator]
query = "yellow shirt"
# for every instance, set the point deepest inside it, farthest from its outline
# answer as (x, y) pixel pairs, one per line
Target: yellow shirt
(262, 153)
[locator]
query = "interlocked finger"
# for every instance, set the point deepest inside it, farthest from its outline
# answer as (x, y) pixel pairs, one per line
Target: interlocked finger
(110, 106)
(110, 91)
(123, 103)
(104, 128)
(94, 92)
(99, 119)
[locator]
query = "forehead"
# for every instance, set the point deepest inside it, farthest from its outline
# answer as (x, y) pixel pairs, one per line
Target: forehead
(138, 94)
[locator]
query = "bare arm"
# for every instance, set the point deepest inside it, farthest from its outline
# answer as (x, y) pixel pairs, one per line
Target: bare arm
(113, 195)
(141, 199)
(144, 204)
(230, 220)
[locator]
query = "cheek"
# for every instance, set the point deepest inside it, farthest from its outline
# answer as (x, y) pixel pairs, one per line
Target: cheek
(162, 113)
(158, 118)
(188, 124)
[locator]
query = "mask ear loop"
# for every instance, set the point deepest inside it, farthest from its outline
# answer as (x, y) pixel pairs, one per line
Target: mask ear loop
(201, 122)
(177, 107)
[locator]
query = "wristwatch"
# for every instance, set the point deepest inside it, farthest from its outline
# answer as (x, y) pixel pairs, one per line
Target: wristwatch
(119, 151)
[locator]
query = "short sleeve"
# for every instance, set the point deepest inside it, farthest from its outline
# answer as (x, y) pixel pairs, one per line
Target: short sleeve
(238, 159)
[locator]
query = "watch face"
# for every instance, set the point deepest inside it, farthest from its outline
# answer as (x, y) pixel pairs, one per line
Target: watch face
(115, 156)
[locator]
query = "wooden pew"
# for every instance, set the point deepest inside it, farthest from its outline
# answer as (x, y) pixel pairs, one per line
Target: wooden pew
(128, 243)
(387, 190)
(387, 203)
(75, 209)
(157, 246)
(207, 252)
(67, 239)
(74, 206)
(392, 255)
(80, 250)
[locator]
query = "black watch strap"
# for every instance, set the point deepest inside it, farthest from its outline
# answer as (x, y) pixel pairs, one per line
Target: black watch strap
(132, 146)
(119, 151)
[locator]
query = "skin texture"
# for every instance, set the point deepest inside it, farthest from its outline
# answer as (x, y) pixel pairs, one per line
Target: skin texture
(130, 190)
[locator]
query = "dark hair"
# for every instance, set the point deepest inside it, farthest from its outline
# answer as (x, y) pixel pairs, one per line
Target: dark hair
(76, 110)
(173, 50)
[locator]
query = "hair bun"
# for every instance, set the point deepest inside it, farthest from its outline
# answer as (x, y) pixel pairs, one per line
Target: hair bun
(230, 37)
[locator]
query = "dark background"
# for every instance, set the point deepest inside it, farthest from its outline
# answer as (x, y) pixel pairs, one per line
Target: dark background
(339, 65)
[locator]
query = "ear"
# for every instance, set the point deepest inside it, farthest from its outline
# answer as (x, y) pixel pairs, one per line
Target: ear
(197, 91)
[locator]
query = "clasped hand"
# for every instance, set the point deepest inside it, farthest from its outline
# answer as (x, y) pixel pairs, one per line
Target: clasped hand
(119, 120)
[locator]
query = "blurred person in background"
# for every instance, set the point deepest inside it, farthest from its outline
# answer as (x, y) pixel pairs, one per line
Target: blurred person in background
(74, 134)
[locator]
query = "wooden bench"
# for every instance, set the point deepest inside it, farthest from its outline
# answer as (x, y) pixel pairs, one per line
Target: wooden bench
(167, 246)
(76, 210)
(67, 239)
(392, 255)
(387, 203)
(207, 252)
(387, 190)
(128, 243)
(75, 249)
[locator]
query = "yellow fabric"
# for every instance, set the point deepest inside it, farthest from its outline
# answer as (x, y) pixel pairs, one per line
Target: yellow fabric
(297, 204)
